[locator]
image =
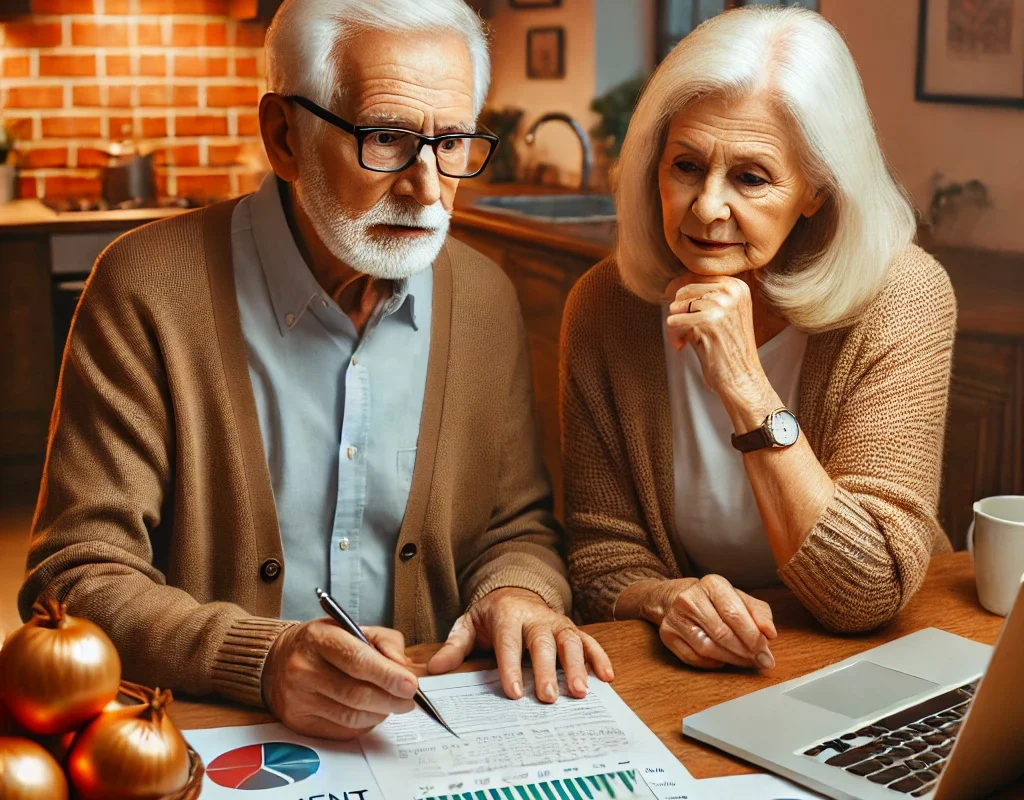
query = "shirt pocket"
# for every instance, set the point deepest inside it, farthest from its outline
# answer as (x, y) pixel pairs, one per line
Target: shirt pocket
(406, 465)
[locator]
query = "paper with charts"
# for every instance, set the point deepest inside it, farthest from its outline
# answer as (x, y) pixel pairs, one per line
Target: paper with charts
(593, 748)
(270, 762)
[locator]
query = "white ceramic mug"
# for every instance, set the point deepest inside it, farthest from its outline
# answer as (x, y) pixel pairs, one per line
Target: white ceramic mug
(996, 543)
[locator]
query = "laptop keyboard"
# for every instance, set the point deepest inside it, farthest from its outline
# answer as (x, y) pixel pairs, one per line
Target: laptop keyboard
(905, 751)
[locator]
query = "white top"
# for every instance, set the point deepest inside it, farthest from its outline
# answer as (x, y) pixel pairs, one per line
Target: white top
(717, 521)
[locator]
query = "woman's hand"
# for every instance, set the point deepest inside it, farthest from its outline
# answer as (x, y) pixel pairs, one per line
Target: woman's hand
(714, 314)
(708, 623)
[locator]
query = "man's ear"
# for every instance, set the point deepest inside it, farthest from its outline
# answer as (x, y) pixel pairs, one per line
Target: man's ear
(280, 137)
(814, 205)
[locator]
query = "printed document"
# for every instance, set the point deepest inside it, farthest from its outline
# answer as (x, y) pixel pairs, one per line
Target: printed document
(521, 745)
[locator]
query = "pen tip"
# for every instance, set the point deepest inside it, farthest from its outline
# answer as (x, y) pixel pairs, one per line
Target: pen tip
(319, 592)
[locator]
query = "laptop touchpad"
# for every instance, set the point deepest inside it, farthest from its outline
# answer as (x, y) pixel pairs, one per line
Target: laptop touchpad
(860, 689)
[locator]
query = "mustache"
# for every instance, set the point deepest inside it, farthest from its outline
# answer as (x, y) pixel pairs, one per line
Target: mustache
(392, 211)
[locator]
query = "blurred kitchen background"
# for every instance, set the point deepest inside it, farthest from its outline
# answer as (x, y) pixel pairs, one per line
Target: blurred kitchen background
(117, 112)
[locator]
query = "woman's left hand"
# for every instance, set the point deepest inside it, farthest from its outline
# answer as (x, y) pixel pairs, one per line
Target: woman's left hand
(714, 314)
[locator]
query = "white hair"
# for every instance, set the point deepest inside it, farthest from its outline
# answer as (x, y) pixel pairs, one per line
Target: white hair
(305, 43)
(833, 264)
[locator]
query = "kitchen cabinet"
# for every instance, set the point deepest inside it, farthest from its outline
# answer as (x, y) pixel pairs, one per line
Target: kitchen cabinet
(542, 278)
(984, 449)
(44, 256)
(26, 364)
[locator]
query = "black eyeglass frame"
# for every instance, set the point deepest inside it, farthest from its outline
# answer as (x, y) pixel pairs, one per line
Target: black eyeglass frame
(360, 132)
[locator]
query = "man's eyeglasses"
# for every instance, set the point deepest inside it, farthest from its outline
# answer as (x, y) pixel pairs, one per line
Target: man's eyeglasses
(382, 149)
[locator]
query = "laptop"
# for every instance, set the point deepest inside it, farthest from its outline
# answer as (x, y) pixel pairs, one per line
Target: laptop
(928, 715)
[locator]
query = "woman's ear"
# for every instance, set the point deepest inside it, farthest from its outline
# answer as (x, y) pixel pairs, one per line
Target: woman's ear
(814, 205)
(279, 135)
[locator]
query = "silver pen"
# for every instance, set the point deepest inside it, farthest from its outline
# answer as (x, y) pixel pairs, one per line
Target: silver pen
(338, 614)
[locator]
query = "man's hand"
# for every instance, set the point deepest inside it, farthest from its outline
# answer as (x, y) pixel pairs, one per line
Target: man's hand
(506, 618)
(709, 623)
(320, 681)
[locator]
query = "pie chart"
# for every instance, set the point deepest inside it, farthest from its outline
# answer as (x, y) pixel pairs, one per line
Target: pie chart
(263, 766)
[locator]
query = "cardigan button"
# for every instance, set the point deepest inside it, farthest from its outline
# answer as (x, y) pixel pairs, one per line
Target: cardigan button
(271, 570)
(408, 551)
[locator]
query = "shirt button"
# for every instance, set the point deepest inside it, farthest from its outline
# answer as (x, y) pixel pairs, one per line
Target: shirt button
(323, 302)
(355, 362)
(350, 452)
(408, 551)
(343, 543)
(289, 319)
(270, 570)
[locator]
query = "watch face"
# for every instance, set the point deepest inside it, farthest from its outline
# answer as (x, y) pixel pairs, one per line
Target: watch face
(785, 429)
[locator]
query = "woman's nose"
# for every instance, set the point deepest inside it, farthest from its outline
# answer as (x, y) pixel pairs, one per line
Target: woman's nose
(710, 205)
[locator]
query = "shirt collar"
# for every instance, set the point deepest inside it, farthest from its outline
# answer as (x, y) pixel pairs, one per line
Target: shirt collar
(290, 282)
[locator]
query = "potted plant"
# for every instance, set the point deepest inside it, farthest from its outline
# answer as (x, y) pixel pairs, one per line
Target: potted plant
(503, 122)
(8, 172)
(615, 108)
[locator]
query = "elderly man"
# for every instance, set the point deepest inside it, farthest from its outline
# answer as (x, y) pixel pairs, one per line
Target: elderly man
(314, 386)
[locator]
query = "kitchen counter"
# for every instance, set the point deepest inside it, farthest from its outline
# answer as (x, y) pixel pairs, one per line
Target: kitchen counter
(31, 216)
(591, 240)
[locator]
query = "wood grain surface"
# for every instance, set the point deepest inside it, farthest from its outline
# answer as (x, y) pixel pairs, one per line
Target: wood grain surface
(662, 692)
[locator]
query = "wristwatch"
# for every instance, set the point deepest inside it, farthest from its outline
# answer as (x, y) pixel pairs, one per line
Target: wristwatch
(779, 429)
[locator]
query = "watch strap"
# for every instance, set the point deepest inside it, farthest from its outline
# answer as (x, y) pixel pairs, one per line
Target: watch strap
(757, 439)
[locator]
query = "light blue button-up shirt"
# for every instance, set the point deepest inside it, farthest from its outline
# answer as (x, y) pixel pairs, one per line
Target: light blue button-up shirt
(339, 414)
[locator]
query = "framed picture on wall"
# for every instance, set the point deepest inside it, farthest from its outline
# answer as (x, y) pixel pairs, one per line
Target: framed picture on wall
(535, 3)
(971, 51)
(545, 53)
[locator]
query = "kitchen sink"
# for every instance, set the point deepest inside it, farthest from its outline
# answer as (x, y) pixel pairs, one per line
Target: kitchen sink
(552, 208)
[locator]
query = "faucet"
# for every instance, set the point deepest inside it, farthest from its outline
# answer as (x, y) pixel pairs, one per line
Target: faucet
(588, 155)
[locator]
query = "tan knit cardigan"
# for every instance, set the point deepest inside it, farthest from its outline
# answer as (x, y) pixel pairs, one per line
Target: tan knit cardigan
(156, 516)
(872, 406)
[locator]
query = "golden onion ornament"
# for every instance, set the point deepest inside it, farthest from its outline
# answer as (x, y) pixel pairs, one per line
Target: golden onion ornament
(132, 753)
(57, 671)
(28, 772)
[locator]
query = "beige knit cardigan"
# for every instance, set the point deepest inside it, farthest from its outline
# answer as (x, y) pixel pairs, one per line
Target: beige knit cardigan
(156, 515)
(872, 406)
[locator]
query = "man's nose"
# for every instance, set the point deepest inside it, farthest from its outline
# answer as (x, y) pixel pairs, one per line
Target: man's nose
(421, 181)
(711, 204)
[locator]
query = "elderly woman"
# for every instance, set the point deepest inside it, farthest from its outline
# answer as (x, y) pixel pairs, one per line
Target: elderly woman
(754, 386)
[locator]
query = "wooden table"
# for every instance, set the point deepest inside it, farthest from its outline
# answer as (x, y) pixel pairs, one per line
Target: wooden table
(662, 692)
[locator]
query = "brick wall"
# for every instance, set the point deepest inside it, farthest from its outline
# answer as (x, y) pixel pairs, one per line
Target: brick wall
(179, 76)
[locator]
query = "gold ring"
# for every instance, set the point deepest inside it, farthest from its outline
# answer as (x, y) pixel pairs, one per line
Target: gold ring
(689, 307)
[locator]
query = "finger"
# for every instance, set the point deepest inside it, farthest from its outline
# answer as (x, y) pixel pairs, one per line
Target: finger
(686, 654)
(701, 611)
(762, 614)
(693, 291)
(597, 658)
(570, 654)
(361, 661)
(737, 616)
(687, 279)
(454, 651)
(543, 655)
(359, 695)
(508, 650)
(706, 647)
(389, 642)
(353, 719)
(320, 728)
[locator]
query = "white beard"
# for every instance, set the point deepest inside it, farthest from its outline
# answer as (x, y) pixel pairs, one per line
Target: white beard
(349, 238)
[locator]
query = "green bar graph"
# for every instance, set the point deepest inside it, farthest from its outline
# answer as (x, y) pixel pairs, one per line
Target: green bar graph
(622, 785)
